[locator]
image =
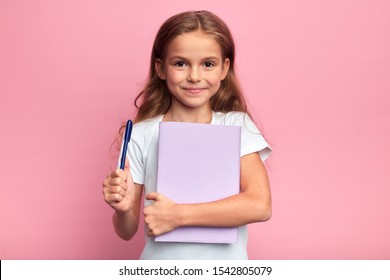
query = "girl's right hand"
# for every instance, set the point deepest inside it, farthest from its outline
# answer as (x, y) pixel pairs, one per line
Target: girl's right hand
(118, 189)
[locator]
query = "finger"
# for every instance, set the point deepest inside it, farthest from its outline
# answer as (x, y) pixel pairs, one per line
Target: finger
(146, 213)
(129, 177)
(119, 173)
(105, 181)
(113, 198)
(114, 182)
(152, 196)
(117, 190)
(112, 186)
(127, 165)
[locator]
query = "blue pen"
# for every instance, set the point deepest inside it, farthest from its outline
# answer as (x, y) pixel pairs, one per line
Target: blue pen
(126, 139)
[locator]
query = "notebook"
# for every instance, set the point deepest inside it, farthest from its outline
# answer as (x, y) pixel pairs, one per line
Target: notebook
(198, 163)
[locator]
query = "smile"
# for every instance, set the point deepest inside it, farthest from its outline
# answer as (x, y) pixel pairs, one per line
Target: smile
(194, 90)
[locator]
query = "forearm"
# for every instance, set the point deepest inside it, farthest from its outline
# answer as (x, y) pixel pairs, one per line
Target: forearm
(237, 210)
(252, 204)
(125, 224)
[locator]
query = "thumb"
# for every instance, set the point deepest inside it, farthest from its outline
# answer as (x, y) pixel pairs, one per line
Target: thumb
(152, 196)
(127, 165)
(127, 169)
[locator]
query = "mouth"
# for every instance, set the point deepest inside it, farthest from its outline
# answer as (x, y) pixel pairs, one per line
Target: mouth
(194, 90)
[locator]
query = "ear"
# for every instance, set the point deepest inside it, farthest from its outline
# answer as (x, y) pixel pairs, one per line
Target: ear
(225, 68)
(159, 67)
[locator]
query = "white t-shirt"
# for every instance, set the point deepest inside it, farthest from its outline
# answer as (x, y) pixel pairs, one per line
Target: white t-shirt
(142, 152)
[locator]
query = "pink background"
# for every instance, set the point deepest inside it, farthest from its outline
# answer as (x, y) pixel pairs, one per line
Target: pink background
(316, 75)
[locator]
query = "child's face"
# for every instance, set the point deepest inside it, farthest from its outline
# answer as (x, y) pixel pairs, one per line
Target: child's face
(193, 69)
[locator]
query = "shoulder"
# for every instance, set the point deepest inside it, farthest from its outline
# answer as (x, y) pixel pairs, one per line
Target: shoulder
(144, 130)
(232, 118)
(251, 138)
(147, 124)
(241, 119)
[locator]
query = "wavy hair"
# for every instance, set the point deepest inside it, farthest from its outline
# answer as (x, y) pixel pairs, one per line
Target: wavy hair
(155, 98)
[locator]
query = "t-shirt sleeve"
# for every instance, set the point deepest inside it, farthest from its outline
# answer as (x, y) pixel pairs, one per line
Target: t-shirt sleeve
(252, 140)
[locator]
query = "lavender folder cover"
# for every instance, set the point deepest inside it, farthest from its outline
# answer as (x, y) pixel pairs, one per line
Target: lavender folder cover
(198, 163)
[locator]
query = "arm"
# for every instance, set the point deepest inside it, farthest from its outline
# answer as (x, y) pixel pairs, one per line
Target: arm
(125, 198)
(252, 204)
(126, 222)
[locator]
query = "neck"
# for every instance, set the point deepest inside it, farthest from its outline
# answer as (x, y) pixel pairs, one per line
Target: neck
(193, 115)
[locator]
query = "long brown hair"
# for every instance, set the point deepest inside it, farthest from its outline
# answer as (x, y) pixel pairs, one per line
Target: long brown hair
(155, 98)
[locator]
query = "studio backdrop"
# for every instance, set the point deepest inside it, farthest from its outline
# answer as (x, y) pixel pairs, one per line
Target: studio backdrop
(316, 78)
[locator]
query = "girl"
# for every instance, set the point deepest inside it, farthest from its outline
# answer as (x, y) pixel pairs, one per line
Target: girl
(191, 79)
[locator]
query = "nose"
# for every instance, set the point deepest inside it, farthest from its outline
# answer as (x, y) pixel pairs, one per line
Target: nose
(194, 75)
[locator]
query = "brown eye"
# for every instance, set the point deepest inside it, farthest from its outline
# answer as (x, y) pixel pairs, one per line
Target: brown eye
(180, 64)
(208, 64)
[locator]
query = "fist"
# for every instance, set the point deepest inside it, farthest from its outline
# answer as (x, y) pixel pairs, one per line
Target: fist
(118, 189)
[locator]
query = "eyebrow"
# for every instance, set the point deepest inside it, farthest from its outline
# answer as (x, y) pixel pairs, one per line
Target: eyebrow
(205, 58)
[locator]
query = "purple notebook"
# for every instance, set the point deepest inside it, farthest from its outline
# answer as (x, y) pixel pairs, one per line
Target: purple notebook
(198, 163)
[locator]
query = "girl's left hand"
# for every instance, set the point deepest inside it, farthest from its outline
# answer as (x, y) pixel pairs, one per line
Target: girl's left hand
(161, 216)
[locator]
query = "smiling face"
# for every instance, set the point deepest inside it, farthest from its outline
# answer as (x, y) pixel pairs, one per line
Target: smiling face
(193, 70)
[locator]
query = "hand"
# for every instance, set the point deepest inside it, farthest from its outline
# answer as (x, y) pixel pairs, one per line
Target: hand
(161, 216)
(118, 189)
